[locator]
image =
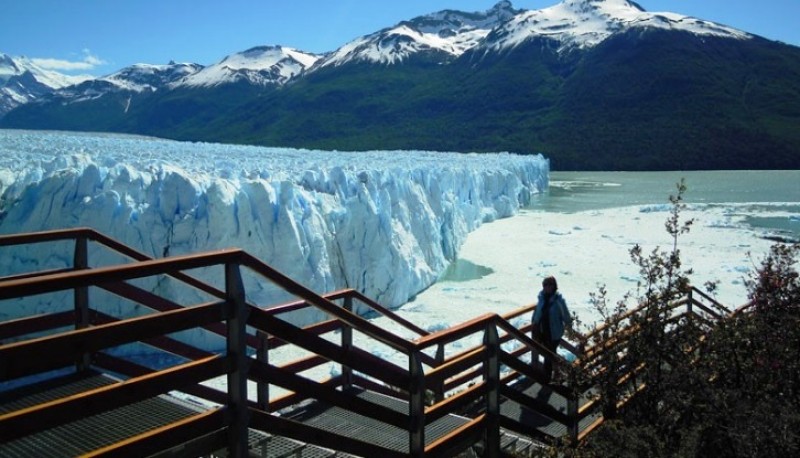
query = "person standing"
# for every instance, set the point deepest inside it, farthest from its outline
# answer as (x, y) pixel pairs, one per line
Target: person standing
(550, 319)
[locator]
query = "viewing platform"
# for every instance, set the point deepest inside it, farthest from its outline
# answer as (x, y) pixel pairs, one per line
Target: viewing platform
(71, 385)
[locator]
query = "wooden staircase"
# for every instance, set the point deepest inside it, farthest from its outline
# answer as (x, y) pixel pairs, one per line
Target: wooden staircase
(68, 387)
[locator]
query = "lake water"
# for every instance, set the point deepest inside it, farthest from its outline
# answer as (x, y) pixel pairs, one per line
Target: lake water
(572, 192)
(578, 191)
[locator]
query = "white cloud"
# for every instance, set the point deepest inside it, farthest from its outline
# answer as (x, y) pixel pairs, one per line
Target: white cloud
(88, 62)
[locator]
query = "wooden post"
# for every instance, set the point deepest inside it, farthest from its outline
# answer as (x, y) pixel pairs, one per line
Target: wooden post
(439, 389)
(535, 363)
(81, 296)
(347, 345)
(573, 398)
(237, 354)
(262, 354)
(492, 377)
(572, 414)
(416, 406)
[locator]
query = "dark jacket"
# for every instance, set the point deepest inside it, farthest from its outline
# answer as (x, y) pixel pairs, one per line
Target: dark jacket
(560, 318)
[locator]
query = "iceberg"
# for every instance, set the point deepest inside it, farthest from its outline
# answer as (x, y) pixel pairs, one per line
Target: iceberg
(386, 223)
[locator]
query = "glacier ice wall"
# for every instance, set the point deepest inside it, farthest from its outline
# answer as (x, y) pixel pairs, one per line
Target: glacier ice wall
(386, 223)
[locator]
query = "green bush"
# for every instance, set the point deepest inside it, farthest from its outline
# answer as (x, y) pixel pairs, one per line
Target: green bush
(733, 391)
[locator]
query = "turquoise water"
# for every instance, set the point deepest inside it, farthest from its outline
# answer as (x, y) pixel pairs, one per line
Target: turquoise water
(572, 192)
(463, 270)
(580, 191)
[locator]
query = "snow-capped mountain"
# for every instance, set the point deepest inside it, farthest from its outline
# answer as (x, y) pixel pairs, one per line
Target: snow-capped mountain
(586, 23)
(573, 23)
(263, 65)
(440, 37)
(146, 77)
(21, 81)
(446, 33)
(136, 79)
(588, 81)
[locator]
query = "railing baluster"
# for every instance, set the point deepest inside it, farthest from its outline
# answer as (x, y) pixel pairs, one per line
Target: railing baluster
(416, 406)
(439, 389)
(237, 353)
(572, 413)
(492, 375)
(347, 345)
(262, 355)
(81, 296)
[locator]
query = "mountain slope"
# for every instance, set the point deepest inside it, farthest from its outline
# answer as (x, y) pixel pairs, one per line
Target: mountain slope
(688, 103)
(439, 36)
(594, 84)
(586, 23)
(22, 81)
(263, 65)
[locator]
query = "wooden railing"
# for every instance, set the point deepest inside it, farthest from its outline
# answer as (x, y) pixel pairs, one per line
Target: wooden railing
(696, 308)
(433, 382)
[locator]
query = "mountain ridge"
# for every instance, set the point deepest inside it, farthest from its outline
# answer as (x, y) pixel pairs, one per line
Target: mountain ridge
(502, 79)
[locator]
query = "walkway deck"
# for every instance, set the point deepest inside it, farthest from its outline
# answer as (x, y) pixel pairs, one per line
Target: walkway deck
(435, 405)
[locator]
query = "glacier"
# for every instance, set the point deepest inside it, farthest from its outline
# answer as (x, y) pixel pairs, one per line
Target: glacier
(386, 223)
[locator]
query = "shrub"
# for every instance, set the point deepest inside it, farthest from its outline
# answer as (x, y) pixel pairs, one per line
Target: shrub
(730, 391)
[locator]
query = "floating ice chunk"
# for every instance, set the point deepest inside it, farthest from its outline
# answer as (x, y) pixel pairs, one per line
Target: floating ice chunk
(435, 327)
(655, 208)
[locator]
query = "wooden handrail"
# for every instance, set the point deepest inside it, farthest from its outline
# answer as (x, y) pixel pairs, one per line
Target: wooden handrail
(343, 294)
(47, 415)
(211, 424)
(724, 310)
(291, 286)
(456, 402)
(329, 395)
(456, 365)
(108, 242)
(175, 271)
(99, 275)
(20, 358)
(457, 332)
(36, 355)
(45, 236)
(360, 360)
(459, 439)
(29, 325)
(387, 313)
(35, 274)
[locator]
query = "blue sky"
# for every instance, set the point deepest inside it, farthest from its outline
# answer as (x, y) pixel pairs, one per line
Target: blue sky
(102, 36)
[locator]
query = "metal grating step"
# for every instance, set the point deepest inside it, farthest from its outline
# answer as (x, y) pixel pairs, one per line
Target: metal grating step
(51, 389)
(97, 431)
(89, 433)
(536, 420)
(349, 424)
(264, 445)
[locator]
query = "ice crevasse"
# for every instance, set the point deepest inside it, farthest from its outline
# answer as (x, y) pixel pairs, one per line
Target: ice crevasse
(386, 223)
